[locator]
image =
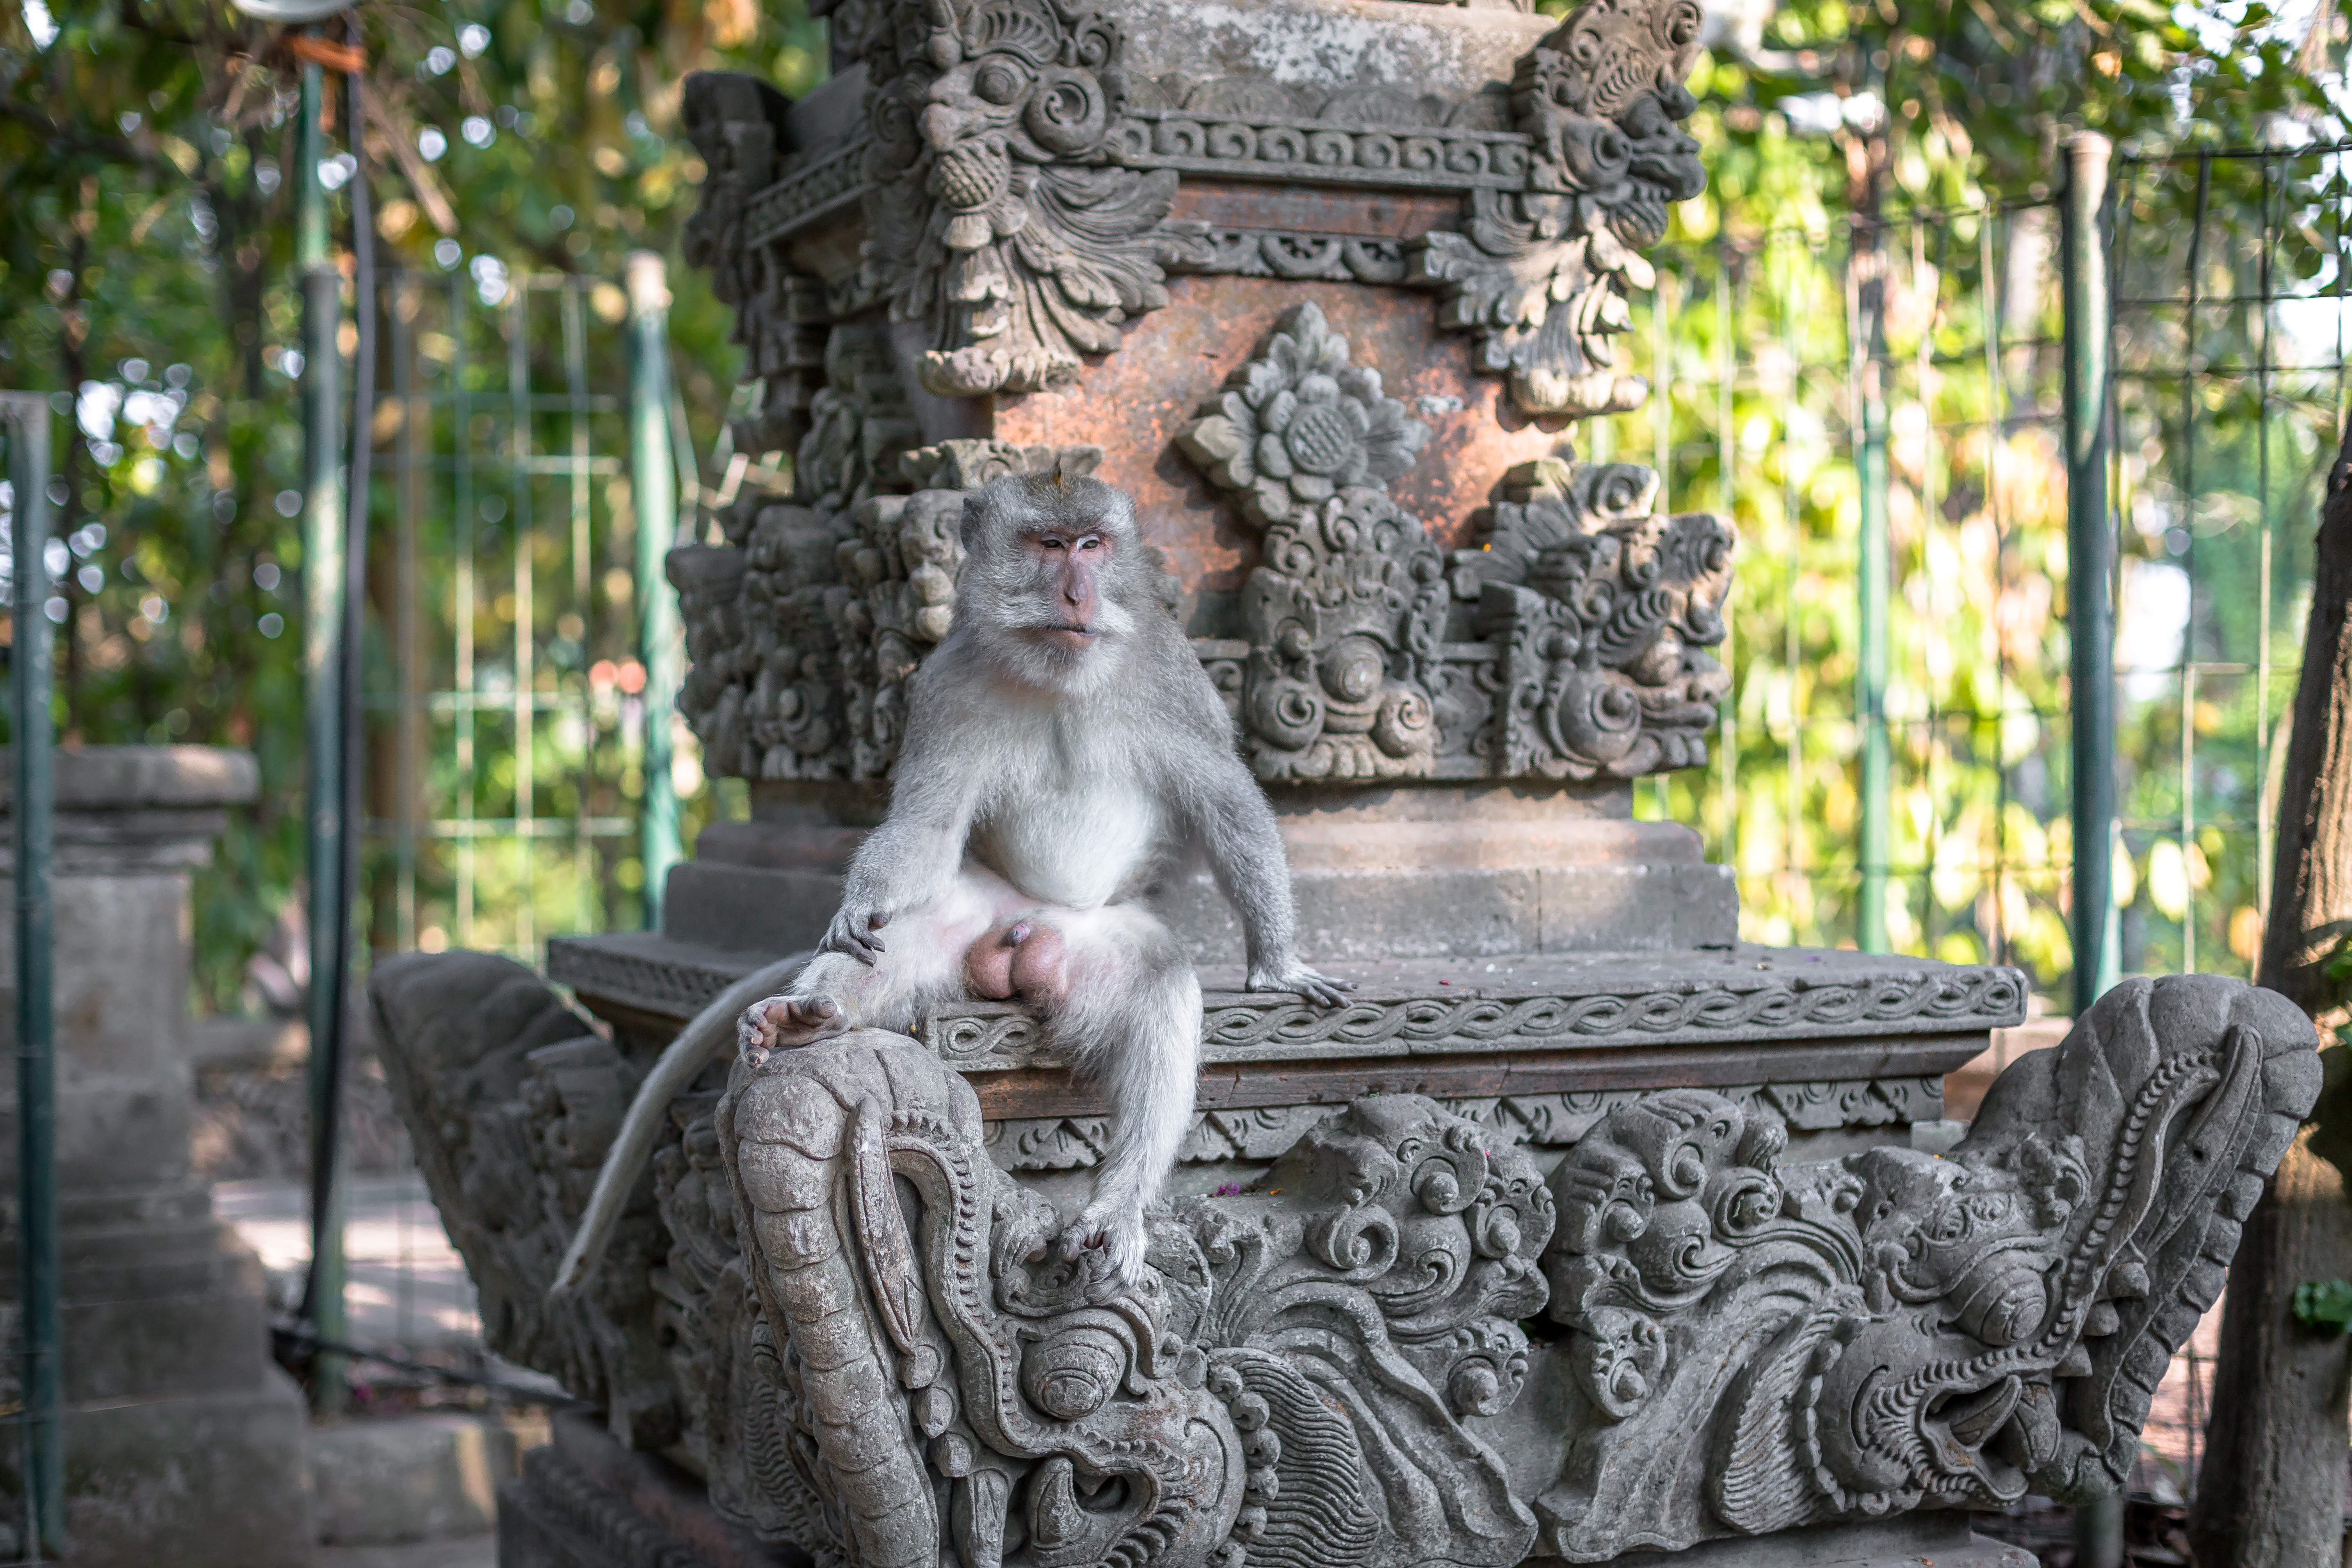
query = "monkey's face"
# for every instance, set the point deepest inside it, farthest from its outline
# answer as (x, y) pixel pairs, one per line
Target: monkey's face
(1047, 580)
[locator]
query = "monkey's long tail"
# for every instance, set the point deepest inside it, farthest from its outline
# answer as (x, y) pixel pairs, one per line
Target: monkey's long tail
(709, 1031)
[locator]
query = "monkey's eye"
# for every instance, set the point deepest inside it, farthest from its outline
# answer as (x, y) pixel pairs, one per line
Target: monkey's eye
(1091, 542)
(1051, 541)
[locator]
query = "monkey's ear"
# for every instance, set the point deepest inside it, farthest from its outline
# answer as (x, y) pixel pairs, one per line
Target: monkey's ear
(975, 520)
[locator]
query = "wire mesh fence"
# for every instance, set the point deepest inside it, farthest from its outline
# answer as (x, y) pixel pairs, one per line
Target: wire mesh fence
(507, 738)
(2228, 279)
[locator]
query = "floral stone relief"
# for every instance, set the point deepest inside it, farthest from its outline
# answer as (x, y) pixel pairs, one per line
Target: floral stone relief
(1343, 611)
(849, 1316)
(1594, 614)
(1297, 423)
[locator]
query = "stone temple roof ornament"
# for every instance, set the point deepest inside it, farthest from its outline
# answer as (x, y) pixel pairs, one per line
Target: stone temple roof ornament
(1581, 1230)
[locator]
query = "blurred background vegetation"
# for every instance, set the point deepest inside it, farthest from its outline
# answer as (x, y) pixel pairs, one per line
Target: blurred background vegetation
(144, 279)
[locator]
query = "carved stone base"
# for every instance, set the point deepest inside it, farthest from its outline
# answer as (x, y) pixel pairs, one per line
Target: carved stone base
(584, 1501)
(1410, 872)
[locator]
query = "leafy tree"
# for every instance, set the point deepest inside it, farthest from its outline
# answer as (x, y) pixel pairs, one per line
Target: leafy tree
(144, 258)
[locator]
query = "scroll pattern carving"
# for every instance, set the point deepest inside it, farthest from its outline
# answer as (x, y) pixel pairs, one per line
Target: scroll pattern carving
(1535, 1121)
(1342, 614)
(1598, 612)
(1906, 1332)
(1016, 188)
(858, 1329)
(1542, 272)
(1604, 613)
(986, 1037)
(1000, 220)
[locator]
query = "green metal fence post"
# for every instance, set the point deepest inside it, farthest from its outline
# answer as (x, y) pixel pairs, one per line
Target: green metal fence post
(2090, 566)
(1870, 669)
(2090, 630)
(26, 418)
(323, 588)
(653, 483)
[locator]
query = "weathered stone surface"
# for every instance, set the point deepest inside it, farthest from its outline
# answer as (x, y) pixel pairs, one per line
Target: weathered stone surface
(181, 1436)
(513, 1099)
(871, 1343)
(584, 1501)
(216, 1480)
(1146, 197)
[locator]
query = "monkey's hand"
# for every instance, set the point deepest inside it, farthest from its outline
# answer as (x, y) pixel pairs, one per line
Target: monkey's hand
(1320, 989)
(855, 930)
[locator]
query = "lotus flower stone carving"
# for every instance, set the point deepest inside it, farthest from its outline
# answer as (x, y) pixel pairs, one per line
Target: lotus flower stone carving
(1297, 423)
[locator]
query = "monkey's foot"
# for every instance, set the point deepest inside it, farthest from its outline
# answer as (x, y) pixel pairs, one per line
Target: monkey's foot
(1026, 958)
(1116, 1239)
(1320, 989)
(782, 1022)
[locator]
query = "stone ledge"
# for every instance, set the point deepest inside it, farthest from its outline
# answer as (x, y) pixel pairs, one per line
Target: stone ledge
(1422, 1007)
(119, 778)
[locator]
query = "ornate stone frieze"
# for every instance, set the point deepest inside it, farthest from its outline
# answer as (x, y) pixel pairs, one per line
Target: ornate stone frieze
(1299, 255)
(1016, 187)
(1000, 221)
(1541, 275)
(1749, 996)
(848, 1314)
(1891, 1330)
(1602, 612)
(1548, 1121)
(1372, 145)
(981, 1037)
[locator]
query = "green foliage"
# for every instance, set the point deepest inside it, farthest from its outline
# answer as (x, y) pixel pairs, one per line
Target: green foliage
(2324, 1304)
(145, 249)
(1882, 181)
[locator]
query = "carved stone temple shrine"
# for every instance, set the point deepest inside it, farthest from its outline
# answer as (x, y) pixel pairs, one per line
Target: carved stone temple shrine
(1583, 1232)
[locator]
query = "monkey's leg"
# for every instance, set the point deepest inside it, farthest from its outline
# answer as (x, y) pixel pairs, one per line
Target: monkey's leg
(923, 964)
(1126, 1007)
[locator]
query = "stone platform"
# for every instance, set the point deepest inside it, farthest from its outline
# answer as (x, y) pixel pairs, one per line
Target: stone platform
(1850, 1049)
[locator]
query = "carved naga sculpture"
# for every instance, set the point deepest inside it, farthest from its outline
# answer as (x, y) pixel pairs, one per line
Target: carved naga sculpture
(877, 1358)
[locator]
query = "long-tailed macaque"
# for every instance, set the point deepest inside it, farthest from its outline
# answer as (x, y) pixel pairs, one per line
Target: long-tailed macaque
(1064, 757)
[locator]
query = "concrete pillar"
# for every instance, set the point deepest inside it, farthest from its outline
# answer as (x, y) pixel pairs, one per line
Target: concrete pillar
(185, 1443)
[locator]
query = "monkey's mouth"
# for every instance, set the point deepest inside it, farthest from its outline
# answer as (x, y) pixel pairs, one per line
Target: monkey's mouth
(1074, 637)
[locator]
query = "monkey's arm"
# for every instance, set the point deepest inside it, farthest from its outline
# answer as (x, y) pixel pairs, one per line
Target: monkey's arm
(913, 858)
(1237, 831)
(704, 1036)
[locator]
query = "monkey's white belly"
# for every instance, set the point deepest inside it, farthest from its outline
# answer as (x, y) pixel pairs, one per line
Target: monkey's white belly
(1080, 846)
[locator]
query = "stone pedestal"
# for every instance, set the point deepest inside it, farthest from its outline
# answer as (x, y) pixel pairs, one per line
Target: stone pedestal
(183, 1440)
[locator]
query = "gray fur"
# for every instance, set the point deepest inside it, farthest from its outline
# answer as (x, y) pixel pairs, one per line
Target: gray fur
(1067, 786)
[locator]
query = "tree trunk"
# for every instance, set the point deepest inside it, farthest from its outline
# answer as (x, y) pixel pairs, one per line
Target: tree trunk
(2271, 1492)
